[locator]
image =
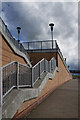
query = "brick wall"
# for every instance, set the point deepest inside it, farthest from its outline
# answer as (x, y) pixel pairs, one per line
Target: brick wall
(7, 55)
(59, 78)
(64, 75)
(36, 57)
(50, 86)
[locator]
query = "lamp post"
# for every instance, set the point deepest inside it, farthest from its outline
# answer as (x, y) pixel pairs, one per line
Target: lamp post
(18, 29)
(68, 66)
(51, 25)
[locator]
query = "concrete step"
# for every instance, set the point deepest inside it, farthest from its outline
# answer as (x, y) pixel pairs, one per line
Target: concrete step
(39, 81)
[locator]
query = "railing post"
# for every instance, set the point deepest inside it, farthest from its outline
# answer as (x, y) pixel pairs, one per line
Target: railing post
(1, 93)
(28, 45)
(41, 45)
(32, 76)
(44, 65)
(39, 70)
(48, 66)
(17, 74)
(1, 88)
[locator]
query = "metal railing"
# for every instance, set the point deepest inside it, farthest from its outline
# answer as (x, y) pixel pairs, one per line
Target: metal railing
(34, 45)
(18, 75)
(41, 67)
(24, 76)
(15, 42)
(9, 75)
(44, 45)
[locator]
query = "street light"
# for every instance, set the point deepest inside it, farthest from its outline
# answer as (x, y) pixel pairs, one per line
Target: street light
(51, 25)
(18, 29)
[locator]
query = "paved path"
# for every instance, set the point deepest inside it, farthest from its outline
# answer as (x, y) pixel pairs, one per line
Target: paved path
(62, 103)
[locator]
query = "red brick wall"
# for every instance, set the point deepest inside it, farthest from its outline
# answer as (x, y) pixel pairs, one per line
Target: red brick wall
(59, 78)
(7, 55)
(63, 73)
(36, 57)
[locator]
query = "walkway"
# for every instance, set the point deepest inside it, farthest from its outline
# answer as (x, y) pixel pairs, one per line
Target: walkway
(62, 103)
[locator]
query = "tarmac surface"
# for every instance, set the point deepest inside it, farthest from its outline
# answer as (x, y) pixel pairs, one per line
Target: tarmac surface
(61, 103)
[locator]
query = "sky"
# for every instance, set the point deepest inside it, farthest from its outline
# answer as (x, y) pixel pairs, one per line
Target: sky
(34, 19)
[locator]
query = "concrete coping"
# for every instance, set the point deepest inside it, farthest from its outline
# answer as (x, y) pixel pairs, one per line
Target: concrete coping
(17, 51)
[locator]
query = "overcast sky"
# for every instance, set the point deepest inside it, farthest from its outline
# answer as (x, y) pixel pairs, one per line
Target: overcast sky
(34, 19)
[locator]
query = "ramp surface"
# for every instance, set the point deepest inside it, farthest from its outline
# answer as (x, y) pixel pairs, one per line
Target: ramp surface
(62, 103)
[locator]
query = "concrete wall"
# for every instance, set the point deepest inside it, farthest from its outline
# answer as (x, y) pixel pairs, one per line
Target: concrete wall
(7, 55)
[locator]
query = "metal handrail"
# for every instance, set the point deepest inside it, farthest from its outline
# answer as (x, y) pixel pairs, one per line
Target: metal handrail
(15, 42)
(42, 66)
(15, 74)
(32, 45)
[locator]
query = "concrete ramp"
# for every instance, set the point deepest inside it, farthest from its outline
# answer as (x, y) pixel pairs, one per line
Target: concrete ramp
(17, 96)
(62, 103)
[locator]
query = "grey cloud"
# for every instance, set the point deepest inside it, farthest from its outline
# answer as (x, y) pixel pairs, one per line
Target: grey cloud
(35, 17)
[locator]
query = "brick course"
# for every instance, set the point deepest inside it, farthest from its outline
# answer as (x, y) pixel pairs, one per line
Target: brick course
(7, 55)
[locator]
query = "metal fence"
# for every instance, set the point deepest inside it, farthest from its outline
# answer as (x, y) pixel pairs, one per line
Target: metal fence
(41, 67)
(17, 75)
(24, 76)
(9, 77)
(33, 45)
(15, 42)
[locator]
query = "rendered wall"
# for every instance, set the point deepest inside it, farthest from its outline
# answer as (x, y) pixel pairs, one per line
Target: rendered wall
(7, 55)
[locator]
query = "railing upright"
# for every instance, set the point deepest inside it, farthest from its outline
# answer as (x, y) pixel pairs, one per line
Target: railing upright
(32, 77)
(39, 70)
(18, 75)
(1, 90)
(44, 65)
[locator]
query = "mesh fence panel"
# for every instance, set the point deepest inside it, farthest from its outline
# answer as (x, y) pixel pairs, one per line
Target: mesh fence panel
(52, 64)
(9, 77)
(41, 67)
(19, 75)
(46, 65)
(36, 73)
(24, 75)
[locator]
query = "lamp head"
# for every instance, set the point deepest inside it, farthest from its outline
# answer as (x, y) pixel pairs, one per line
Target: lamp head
(18, 29)
(51, 25)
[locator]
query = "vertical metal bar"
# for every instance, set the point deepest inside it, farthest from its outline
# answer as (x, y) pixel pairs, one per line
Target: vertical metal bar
(1, 94)
(52, 38)
(28, 45)
(44, 66)
(39, 70)
(1, 87)
(41, 45)
(17, 74)
(48, 66)
(32, 77)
